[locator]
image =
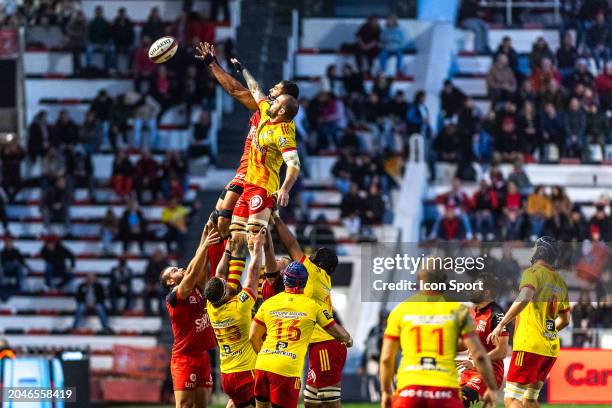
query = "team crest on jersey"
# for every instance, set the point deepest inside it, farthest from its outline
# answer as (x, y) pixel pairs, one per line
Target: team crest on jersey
(255, 202)
(282, 141)
(243, 297)
(192, 377)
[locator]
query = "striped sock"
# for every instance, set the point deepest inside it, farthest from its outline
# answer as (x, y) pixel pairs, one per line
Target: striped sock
(236, 266)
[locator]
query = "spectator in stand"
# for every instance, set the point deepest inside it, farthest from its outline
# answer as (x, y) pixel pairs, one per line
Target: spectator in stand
(450, 228)
(370, 359)
(215, 6)
(53, 167)
(508, 141)
(143, 68)
(39, 136)
(512, 222)
(59, 262)
(65, 131)
(174, 217)
(174, 175)
(132, 227)
(604, 312)
(201, 143)
(539, 209)
(451, 99)
(146, 111)
(470, 18)
(55, 206)
(118, 122)
(575, 127)
(392, 42)
(120, 286)
(79, 172)
(3, 216)
(12, 155)
(90, 295)
(109, 228)
(122, 32)
(350, 210)
(598, 39)
(505, 47)
(91, 133)
(99, 37)
(484, 203)
(154, 27)
(448, 144)
(553, 93)
(13, 264)
(368, 41)
(102, 105)
(457, 200)
(327, 121)
(597, 130)
(398, 106)
(342, 172)
(583, 318)
(194, 90)
(352, 80)
(544, 75)
(603, 86)
(122, 175)
(418, 122)
(373, 210)
(581, 75)
(508, 270)
(567, 55)
(601, 222)
(578, 228)
(519, 177)
(553, 133)
(146, 176)
(539, 51)
(163, 90)
(76, 33)
(152, 290)
(501, 82)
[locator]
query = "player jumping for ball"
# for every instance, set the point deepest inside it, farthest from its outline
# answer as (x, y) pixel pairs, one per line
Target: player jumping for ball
(542, 308)
(193, 336)
(486, 315)
(224, 210)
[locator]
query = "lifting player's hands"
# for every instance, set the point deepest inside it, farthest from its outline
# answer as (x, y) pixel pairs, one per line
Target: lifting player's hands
(206, 53)
(465, 364)
(495, 335)
(489, 399)
(257, 241)
(212, 238)
(282, 197)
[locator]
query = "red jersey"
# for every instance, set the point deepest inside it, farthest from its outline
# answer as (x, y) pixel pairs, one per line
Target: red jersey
(267, 290)
(215, 253)
(244, 160)
(191, 327)
(486, 320)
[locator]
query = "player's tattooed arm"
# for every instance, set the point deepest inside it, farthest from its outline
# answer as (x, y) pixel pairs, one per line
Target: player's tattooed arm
(256, 244)
(288, 240)
(256, 335)
(340, 334)
(252, 84)
(233, 87)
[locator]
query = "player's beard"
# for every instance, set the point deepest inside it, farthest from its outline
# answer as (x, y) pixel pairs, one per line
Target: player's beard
(271, 114)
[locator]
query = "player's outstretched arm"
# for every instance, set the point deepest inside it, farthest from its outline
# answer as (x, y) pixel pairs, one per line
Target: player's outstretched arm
(252, 84)
(520, 303)
(206, 53)
(256, 243)
(286, 237)
(196, 270)
(388, 357)
(483, 365)
(269, 254)
(223, 266)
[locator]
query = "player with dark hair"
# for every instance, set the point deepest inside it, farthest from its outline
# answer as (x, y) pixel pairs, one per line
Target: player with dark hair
(327, 356)
(542, 307)
(287, 322)
(426, 328)
(230, 316)
(193, 336)
(486, 315)
(224, 210)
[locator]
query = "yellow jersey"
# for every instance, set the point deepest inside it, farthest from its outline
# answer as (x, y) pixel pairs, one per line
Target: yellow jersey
(318, 288)
(231, 323)
(289, 320)
(428, 328)
(534, 329)
(270, 141)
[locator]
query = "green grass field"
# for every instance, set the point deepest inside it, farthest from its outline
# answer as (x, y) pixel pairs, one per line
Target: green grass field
(373, 406)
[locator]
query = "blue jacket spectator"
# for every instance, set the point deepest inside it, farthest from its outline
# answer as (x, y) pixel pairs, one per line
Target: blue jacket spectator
(392, 42)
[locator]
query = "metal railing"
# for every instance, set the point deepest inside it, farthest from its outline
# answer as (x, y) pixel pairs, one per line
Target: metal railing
(508, 5)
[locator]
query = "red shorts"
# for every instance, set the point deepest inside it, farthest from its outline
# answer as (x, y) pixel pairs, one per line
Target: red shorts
(240, 387)
(190, 372)
(421, 396)
(254, 199)
(277, 389)
(236, 184)
(472, 379)
(326, 362)
(529, 368)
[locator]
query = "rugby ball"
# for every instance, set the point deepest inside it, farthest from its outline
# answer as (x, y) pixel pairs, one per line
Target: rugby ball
(163, 49)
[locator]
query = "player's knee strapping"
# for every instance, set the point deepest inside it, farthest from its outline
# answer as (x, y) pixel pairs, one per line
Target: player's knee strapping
(238, 227)
(470, 396)
(329, 394)
(532, 393)
(515, 391)
(236, 266)
(311, 395)
(254, 226)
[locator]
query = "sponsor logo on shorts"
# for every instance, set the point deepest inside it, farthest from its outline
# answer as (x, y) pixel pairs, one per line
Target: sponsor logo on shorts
(427, 394)
(255, 202)
(474, 383)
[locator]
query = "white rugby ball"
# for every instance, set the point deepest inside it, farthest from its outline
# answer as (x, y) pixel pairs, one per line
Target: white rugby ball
(163, 49)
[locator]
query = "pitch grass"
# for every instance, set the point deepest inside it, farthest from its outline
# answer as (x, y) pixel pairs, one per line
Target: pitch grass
(377, 406)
